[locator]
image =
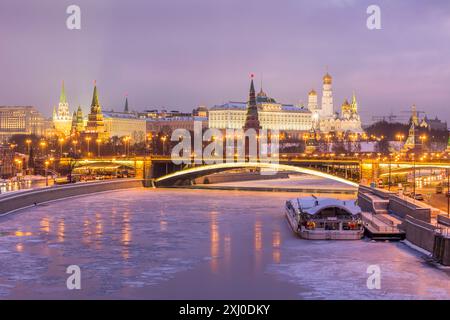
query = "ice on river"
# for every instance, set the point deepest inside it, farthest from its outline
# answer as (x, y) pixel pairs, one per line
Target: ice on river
(165, 243)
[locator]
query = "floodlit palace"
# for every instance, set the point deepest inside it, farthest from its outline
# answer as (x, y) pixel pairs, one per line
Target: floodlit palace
(292, 118)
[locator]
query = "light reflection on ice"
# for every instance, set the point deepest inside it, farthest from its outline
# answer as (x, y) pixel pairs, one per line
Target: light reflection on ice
(195, 244)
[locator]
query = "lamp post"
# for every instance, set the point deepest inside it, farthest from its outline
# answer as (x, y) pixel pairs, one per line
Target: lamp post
(28, 142)
(43, 144)
(99, 141)
(163, 139)
(75, 142)
(88, 140)
(46, 174)
(61, 141)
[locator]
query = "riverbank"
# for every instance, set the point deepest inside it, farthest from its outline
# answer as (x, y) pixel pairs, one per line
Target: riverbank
(11, 202)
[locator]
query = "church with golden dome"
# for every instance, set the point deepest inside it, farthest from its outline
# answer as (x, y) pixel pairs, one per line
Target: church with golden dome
(325, 119)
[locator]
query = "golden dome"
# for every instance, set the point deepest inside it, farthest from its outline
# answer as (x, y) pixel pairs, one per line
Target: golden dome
(327, 79)
(312, 93)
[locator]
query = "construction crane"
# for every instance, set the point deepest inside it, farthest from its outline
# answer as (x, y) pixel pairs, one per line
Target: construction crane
(391, 118)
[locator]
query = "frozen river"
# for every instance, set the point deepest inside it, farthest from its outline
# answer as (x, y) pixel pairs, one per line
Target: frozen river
(164, 243)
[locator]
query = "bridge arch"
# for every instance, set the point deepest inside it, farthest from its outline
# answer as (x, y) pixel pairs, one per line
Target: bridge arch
(204, 170)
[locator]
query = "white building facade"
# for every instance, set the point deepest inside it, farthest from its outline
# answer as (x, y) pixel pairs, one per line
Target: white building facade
(271, 115)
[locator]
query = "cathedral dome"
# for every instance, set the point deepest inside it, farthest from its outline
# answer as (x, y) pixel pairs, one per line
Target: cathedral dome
(313, 93)
(262, 93)
(327, 79)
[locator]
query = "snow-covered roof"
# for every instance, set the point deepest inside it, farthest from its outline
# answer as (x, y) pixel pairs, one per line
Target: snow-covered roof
(313, 205)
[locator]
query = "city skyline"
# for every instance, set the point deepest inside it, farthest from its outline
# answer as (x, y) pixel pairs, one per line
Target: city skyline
(204, 53)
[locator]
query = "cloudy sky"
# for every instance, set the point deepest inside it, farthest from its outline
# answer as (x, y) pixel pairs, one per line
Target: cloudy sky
(182, 53)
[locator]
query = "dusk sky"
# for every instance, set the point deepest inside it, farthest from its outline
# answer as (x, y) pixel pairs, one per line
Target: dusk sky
(183, 53)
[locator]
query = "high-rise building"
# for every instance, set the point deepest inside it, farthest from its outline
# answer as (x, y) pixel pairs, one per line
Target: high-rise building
(62, 120)
(20, 120)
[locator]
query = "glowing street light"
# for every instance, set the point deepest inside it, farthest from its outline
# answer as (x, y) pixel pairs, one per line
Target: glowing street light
(46, 163)
(43, 145)
(28, 142)
(61, 141)
(99, 141)
(88, 140)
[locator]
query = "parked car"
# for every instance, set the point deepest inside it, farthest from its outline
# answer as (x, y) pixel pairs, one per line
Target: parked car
(417, 196)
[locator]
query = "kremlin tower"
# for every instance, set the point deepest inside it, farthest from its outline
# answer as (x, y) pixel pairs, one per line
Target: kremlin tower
(252, 120)
(327, 98)
(95, 124)
(62, 120)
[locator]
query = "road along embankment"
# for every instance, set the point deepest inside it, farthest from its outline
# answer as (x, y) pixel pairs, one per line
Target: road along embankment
(15, 201)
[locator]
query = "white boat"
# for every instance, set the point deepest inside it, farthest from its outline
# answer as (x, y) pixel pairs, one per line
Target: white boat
(325, 218)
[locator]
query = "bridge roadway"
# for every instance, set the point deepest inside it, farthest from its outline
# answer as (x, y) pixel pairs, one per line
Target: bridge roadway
(351, 168)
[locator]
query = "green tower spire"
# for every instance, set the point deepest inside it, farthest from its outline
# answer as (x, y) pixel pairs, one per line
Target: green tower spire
(62, 98)
(95, 102)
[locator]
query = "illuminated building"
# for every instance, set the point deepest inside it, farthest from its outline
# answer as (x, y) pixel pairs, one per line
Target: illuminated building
(77, 121)
(62, 120)
(20, 120)
(327, 109)
(95, 124)
(271, 115)
(7, 165)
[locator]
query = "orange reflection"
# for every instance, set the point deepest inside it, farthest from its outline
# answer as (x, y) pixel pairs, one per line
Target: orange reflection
(215, 241)
(19, 247)
(258, 243)
(126, 236)
(19, 233)
(98, 226)
(61, 229)
(86, 231)
(163, 225)
(276, 243)
(258, 235)
(45, 225)
(227, 248)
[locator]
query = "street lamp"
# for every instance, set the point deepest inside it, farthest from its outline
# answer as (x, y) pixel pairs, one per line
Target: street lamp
(163, 139)
(61, 141)
(43, 144)
(99, 141)
(28, 142)
(46, 174)
(88, 140)
(75, 142)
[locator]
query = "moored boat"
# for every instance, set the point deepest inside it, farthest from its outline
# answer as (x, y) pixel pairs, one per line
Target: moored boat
(325, 218)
